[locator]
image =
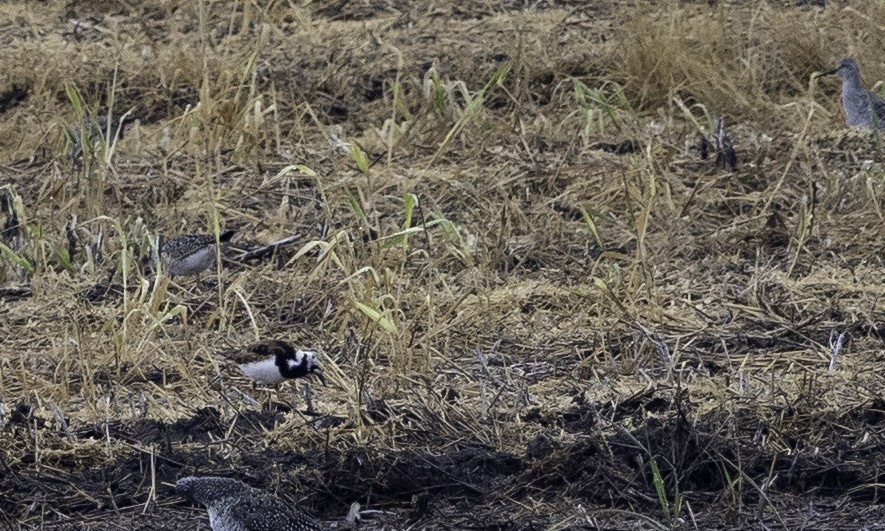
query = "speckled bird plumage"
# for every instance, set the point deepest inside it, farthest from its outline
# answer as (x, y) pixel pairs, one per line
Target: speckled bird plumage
(235, 506)
(190, 254)
(863, 108)
(274, 361)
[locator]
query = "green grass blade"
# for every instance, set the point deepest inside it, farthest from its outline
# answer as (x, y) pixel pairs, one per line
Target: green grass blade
(76, 99)
(593, 231)
(658, 481)
(16, 258)
(355, 205)
(360, 158)
(376, 316)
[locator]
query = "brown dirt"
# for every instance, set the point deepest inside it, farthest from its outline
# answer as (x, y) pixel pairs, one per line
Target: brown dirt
(580, 299)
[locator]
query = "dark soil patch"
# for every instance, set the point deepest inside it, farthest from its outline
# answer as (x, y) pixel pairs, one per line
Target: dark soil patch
(702, 460)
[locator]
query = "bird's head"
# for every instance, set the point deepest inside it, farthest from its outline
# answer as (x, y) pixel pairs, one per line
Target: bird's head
(311, 364)
(847, 67)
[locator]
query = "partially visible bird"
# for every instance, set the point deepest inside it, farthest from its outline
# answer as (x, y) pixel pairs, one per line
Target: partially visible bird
(725, 155)
(272, 362)
(863, 108)
(94, 129)
(235, 506)
(190, 254)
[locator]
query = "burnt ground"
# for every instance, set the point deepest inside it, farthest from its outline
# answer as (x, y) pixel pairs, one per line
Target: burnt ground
(539, 301)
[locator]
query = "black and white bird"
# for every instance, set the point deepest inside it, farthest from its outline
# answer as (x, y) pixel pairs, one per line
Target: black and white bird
(190, 254)
(235, 506)
(274, 361)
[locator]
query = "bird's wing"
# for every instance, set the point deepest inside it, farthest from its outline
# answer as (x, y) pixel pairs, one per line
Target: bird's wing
(264, 512)
(257, 351)
(207, 490)
(185, 245)
(268, 347)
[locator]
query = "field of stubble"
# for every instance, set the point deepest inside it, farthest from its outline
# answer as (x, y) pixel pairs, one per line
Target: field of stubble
(537, 306)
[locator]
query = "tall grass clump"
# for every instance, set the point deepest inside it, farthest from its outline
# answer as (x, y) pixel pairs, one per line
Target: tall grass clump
(747, 63)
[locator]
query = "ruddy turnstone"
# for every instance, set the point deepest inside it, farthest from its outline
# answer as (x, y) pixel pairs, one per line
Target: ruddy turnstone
(273, 361)
(863, 109)
(190, 254)
(235, 506)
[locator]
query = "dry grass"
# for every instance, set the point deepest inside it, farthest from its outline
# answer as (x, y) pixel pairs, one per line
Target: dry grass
(576, 314)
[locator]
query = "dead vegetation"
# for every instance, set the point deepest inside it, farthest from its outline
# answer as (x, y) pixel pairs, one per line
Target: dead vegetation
(537, 306)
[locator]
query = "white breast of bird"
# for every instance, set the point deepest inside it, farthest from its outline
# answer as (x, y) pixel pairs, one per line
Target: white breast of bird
(264, 371)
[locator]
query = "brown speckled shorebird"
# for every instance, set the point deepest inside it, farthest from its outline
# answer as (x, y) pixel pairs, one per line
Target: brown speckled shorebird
(190, 254)
(235, 506)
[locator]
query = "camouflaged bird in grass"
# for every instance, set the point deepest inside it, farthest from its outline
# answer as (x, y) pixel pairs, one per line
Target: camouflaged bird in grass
(235, 506)
(190, 254)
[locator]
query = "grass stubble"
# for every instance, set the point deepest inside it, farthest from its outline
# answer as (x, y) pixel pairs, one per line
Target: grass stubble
(558, 335)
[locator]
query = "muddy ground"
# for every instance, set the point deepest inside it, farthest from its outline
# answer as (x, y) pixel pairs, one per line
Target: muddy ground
(539, 300)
